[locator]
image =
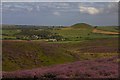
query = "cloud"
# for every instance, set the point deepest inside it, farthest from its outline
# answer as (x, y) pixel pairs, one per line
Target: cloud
(60, 0)
(112, 8)
(89, 10)
(61, 13)
(12, 7)
(98, 8)
(37, 7)
(56, 13)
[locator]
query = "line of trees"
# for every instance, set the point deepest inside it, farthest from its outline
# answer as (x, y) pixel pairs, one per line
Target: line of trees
(41, 34)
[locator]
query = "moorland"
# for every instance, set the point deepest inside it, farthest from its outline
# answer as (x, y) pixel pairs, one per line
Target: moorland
(77, 51)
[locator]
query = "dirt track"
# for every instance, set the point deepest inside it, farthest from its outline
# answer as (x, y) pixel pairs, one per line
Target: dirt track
(104, 32)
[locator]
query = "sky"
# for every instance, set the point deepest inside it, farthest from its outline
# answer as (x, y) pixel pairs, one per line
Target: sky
(61, 0)
(60, 13)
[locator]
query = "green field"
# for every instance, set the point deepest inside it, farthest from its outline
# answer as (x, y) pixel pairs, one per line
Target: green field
(76, 32)
(80, 34)
(109, 28)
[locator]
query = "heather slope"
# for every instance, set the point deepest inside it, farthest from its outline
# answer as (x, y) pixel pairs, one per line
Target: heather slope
(33, 54)
(99, 68)
(28, 54)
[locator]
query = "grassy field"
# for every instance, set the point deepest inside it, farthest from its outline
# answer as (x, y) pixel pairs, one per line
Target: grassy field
(9, 33)
(81, 34)
(109, 28)
(76, 32)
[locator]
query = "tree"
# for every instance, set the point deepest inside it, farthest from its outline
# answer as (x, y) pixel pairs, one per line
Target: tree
(95, 26)
(57, 37)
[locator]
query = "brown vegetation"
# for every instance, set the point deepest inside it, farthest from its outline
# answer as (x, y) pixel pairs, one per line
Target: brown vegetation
(104, 32)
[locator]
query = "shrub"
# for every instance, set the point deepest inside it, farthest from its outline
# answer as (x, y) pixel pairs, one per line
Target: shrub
(49, 75)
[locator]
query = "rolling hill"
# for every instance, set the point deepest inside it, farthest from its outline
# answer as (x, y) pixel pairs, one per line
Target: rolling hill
(19, 55)
(81, 25)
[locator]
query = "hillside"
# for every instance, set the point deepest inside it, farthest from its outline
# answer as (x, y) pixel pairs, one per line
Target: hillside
(30, 54)
(81, 25)
(17, 55)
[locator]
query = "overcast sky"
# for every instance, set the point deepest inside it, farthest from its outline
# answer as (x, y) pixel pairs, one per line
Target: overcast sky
(60, 13)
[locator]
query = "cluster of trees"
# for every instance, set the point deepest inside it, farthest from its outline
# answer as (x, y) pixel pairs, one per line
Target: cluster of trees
(40, 34)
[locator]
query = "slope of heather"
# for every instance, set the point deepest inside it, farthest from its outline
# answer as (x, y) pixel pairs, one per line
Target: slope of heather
(21, 54)
(29, 54)
(99, 68)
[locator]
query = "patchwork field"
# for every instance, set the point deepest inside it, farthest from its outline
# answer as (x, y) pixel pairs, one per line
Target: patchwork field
(76, 32)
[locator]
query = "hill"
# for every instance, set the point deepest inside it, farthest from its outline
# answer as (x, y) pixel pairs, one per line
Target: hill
(81, 25)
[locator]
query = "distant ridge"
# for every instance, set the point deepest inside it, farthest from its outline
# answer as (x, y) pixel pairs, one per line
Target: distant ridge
(81, 25)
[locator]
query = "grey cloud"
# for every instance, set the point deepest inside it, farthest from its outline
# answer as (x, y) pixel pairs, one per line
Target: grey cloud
(60, 12)
(90, 8)
(99, 8)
